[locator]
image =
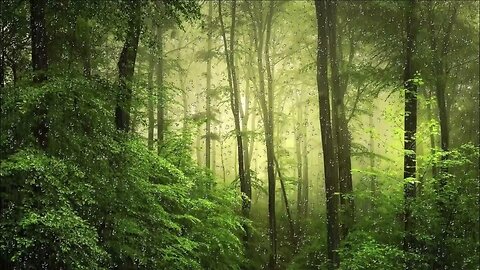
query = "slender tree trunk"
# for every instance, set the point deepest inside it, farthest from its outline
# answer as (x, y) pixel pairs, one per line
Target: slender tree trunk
(329, 159)
(373, 178)
(410, 129)
(287, 206)
(222, 158)
(235, 107)
(340, 126)
(182, 77)
(270, 144)
(208, 137)
(262, 43)
(214, 153)
(198, 146)
(246, 137)
(160, 90)
(305, 180)
(126, 68)
(150, 102)
(39, 65)
(298, 155)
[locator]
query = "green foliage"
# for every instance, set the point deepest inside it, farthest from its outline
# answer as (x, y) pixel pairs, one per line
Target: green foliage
(40, 225)
(361, 251)
(99, 191)
(446, 211)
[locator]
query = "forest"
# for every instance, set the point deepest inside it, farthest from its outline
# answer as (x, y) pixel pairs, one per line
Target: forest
(239, 134)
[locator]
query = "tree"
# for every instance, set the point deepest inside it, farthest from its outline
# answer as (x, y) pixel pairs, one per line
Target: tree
(410, 125)
(161, 95)
(235, 105)
(340, 125)
(150, 102)
(329, 159)
(126, 66)
(262, 29)
(208, 133)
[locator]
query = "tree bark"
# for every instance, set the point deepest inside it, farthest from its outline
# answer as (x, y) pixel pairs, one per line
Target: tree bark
(340, 126)
(410, 123)
(160, 89)
(235, 107)
(208, 137)
(150, 102)
(305, 180)
(262, 39)
(373, 178)
(287, 205)
(329, 159)
(269, 128)
(126, 68)
(298, 155)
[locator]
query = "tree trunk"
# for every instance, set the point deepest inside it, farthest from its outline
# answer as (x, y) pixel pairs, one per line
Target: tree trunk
(208, 137)
(410, 129)
(329, 159)
(39, 65)
(287, 205)
(305, 181)
(126, 68)
(270, 144)
(266, 104)
(298, 155)
(235, 107)
(373, 178)
(150, 102)
(160, 90)
(340, 126)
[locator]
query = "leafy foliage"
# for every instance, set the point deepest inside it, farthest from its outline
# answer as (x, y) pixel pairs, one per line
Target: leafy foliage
(102, 192)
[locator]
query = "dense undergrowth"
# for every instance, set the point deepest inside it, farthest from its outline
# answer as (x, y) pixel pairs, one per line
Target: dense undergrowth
(96, 199)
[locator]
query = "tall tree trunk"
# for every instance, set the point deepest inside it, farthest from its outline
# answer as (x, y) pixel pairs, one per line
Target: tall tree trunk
(126, 68)
(341, 133)
(298, 155)
(287, 206)
(269, 128)
(198, 146)
(329, 159)
(246, 137)
(222, 158)
(235, 107)
(410, 129)
(373, 178)
(150, 102)
(208, 137)
(39, 65)
(160, 90)
(305, 180)
(266, 104)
